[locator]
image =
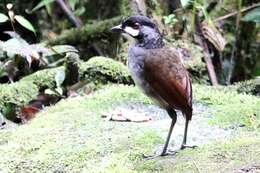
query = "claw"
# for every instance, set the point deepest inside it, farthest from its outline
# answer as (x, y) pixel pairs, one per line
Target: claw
(150, 157)
(187, 146)
(168, 153)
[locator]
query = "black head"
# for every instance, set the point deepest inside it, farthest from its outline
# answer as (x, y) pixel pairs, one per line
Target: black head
(142, 29)
(133, 25)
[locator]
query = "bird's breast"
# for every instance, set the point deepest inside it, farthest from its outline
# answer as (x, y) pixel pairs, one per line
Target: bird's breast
(136, 60)
(136, 68)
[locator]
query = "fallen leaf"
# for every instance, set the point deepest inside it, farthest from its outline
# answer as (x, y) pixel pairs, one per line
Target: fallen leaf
(28, 112)
(122, 114)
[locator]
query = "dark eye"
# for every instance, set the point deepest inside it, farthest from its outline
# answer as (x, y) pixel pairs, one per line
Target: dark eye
(136, 26)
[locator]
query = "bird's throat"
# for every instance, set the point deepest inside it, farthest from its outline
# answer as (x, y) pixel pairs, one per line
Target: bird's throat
(151, 41)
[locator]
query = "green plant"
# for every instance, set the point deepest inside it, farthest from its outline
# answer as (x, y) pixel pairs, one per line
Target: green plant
(170, 19)
(73, 4)
(59, 79)
(185, 3)
(12, 17)
(17, 55)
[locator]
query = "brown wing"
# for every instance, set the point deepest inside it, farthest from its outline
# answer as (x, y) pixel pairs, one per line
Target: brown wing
(166, 74)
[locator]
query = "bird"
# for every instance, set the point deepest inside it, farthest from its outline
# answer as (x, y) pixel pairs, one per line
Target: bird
(158, 70)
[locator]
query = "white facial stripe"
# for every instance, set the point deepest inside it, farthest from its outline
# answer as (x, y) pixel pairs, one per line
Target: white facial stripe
(133, 32)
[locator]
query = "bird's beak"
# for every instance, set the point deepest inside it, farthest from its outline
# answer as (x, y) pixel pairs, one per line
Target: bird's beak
(117, 29)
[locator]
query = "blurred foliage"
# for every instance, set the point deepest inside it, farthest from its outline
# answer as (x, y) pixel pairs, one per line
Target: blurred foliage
(170, 19)
(39, 35)
(252, 16)
(248, 87)
(19, 58)
(175, 24)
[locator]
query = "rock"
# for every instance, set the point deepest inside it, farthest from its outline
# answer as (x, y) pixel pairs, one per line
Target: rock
(102, 70)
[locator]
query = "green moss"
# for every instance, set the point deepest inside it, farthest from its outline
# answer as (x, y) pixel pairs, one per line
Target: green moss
(97, 71)
(229, 108)
(219, 156)
(102, 70)
(248, 87)
(43, 78)
(72, 137)
(17, 93)
(86, 33)
(60, 141)
(125, 8)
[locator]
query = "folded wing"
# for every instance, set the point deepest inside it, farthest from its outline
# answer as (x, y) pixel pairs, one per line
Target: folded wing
(165, 73)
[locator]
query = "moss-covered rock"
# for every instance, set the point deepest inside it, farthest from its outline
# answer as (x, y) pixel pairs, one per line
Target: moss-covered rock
(102, 70)
(18, 93)
(249, 87)
(15, 95)
(97, 71)
(44, 78)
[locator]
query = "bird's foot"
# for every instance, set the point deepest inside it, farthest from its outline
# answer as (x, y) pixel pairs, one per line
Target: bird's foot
(183, 146)
(169, 153)
(150, 157)
(165, 153)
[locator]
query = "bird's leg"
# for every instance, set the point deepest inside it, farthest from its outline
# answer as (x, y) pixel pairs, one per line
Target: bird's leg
(173, 115)
(183, 146)
(164, 152)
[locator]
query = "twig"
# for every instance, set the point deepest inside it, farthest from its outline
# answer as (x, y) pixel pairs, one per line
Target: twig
(235, 12)
(69, 13)
(202, 42)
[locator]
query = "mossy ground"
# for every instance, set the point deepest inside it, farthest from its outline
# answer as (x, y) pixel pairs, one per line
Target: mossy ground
(230, 108)
(72, 137)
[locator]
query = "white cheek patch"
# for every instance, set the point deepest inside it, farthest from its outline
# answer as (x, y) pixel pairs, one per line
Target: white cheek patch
(133, 32)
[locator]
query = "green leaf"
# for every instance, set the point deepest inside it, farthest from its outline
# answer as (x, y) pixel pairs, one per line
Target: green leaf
(170, 19)
(253, 16)
(185, 3)
(63, 49)
(73, 3)
(79, 11)
(2, 70)
(3, 18)
(25, 23)
(42, 4)
(59, 90)
(50, 92)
